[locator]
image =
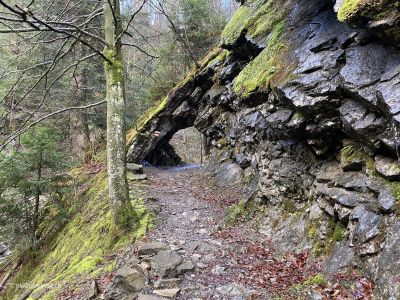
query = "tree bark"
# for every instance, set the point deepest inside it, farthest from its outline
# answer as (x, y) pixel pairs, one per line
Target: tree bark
(116, 127)
(38, 193)
(81, 125)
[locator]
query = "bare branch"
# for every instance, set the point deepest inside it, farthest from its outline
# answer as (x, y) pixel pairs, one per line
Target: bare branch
(63, 110)
(140, 49)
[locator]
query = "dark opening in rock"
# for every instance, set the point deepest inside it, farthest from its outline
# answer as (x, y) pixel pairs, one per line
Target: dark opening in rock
(187, 146)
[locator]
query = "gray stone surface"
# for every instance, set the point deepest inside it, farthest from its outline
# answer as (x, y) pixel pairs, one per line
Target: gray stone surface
(135, 276)
(151, 248)
(228, 174)
(134, 168)
(168, 293)
(137, 177)
(167, 283)
(341, 259)
(386, 199)
(388, 168)
(184, 267)
(165, 263)
(3, 249)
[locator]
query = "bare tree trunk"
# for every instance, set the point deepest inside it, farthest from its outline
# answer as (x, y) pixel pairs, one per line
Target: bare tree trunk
(87, 144)
(38, 192)
(81, 117)
(80, 132)
(116, 127)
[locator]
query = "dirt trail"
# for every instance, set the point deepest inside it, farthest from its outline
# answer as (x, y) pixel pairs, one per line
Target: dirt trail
(192, 211)
(230, 262)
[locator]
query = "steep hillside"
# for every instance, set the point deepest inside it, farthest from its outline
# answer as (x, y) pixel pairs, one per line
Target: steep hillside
(74, 252)
(301, 104)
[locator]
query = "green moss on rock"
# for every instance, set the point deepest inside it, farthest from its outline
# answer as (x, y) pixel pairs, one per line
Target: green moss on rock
(256, 18)
(339, 232)
(258, 73)
(236, 24)
(354, 152)
(317, 279)
(240, 212)
(220, 58)
(361, 10)
(350, 8)
(336, 232)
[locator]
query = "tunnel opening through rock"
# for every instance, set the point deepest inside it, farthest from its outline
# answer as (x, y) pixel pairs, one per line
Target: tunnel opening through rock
(185, 147)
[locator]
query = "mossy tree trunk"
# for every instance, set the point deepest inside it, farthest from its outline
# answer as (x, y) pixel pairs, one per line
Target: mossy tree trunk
(116, 127)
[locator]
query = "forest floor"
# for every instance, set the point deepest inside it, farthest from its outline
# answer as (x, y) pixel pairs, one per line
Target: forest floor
(227, 261)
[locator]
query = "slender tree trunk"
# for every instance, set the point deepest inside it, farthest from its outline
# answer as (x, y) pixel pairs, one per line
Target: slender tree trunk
(82, 126)
(38, 192)
(116, 127)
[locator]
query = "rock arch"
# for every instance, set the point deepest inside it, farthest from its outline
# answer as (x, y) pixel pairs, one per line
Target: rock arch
(304, 106)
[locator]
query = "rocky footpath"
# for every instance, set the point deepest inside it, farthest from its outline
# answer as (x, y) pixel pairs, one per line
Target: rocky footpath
(154, 261)
(201, 249)
(300, 104)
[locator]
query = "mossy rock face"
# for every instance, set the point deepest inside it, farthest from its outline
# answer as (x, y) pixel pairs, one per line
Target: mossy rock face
(143, 131)
(333, 230)
(263, 24)
(256, 19)
(260, 71)
(354, 158)
(357, 11)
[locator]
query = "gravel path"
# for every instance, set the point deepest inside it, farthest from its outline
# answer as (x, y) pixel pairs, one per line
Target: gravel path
(230, 262)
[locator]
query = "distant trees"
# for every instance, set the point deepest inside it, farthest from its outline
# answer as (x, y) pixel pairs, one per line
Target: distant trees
(28, 182)
(179, 33)
(67, 58)
(42, 71)
(69, 28)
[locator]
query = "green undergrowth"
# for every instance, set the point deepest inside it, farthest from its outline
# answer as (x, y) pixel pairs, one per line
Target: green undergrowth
(352, 10)
(336, 232)
(240, 212)
(315, 280)
(82, 248)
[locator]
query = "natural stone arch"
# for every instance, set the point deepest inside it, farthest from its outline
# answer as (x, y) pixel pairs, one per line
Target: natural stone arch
(179, 110)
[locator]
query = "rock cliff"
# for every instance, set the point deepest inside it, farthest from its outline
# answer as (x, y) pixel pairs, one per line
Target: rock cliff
(301, 102)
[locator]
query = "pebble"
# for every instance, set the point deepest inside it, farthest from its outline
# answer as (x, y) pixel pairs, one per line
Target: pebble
(169, 293)
(218, 270)
(201, 265)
